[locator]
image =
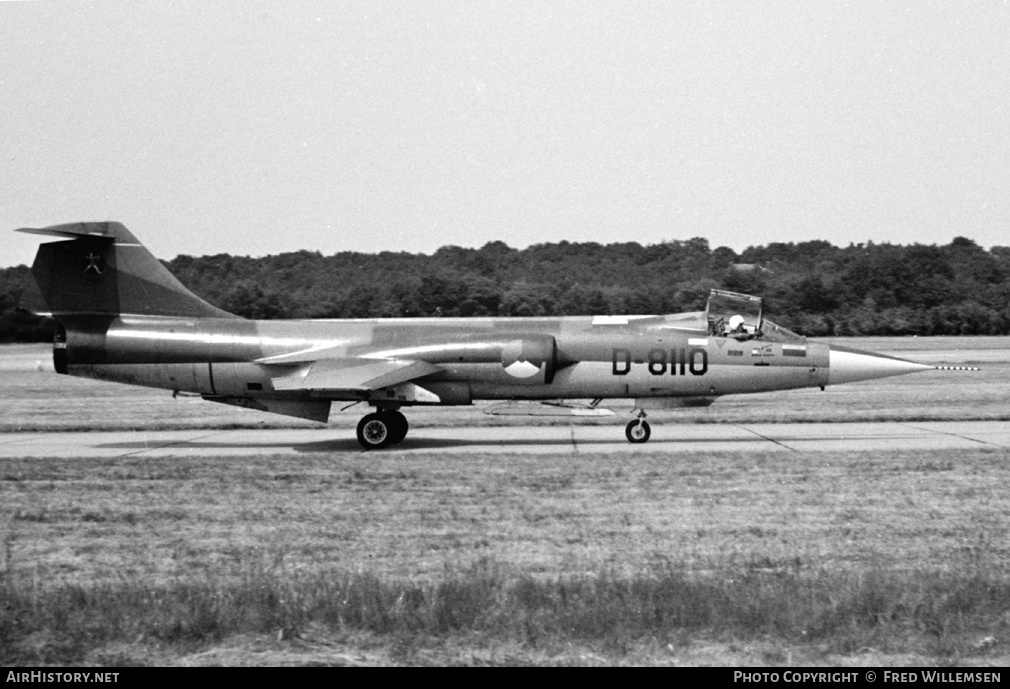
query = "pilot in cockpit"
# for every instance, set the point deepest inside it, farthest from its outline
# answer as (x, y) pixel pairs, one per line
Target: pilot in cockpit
(736, 328)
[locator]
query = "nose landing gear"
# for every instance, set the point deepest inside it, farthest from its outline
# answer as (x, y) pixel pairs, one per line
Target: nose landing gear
(638, 431)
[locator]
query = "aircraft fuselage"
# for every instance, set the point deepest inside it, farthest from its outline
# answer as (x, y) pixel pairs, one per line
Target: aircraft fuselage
(573, 357)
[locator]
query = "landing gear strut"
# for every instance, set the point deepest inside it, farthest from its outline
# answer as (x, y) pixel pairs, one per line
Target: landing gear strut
(638, 431)
(382, 429)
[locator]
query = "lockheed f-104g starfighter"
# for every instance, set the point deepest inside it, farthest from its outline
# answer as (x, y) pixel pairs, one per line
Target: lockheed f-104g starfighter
(122, 316)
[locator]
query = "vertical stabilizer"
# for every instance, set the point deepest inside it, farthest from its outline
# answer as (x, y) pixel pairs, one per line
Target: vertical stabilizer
(101, 269)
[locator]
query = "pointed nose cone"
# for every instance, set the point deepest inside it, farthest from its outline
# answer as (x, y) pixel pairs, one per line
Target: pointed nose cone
(847, 365)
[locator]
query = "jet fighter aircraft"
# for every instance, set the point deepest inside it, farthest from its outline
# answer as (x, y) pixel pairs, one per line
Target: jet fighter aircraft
(122, 316)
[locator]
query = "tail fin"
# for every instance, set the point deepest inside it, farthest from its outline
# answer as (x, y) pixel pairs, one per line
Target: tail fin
(103, 270)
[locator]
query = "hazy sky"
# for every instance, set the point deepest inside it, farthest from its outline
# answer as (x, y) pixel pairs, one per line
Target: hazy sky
(263, 127)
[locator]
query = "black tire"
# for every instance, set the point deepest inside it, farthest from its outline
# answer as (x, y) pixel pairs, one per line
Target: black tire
(638, 431)
(397, 425)
(375, 432)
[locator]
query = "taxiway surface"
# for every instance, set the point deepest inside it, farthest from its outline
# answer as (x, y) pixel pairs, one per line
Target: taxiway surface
(673, 438)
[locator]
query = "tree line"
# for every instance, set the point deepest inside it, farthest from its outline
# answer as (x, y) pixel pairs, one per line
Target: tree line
(814, 288)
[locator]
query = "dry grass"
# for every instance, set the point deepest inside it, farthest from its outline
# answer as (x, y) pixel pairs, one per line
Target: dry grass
(835, 552)
(92, 519)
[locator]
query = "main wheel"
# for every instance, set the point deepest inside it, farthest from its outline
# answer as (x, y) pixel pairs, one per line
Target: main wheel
(638, 431)
(375, 431)
(397, 426)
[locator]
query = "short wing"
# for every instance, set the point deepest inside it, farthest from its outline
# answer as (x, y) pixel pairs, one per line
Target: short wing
(355, 374)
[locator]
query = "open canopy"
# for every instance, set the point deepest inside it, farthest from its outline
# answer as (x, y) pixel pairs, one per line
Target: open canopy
(730, 314)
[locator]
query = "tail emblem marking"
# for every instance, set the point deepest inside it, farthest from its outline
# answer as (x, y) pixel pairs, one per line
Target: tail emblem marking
(95, 263)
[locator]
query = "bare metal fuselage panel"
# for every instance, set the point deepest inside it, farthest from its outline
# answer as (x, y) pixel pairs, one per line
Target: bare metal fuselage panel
(457, 360)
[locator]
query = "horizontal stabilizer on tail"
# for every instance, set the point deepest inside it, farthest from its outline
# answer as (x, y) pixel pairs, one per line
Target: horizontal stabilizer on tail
(98, 230)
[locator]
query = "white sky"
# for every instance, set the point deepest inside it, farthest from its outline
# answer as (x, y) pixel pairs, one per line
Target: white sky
(253, 128)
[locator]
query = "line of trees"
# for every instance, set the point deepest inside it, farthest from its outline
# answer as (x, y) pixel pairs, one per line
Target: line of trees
(19, 326)
(812, 287)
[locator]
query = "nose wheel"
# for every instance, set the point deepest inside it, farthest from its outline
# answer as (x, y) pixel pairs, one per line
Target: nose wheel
(638, 431)
(382, 429)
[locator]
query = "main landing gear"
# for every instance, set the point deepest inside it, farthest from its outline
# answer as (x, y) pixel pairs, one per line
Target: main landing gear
(638, 431)
(382, 429)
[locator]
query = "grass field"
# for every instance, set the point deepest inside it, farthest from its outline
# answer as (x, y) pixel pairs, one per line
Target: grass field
(346, 558)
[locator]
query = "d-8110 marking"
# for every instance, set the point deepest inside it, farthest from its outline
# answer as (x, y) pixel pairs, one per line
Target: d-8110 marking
(680, 361)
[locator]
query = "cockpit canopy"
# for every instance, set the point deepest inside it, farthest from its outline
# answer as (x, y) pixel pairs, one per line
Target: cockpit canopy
(740, 316)
(730, 314)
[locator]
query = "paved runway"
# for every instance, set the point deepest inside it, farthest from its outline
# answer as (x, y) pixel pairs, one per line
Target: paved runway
(668, 438)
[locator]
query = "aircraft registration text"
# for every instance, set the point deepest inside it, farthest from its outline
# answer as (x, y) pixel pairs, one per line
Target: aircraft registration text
(676, 361)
